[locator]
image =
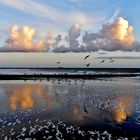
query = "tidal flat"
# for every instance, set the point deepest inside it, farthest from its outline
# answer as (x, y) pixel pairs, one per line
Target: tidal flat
(104, 108)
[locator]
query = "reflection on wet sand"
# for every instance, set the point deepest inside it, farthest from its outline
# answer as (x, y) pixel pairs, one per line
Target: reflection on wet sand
(123, 109)
(76, 113)
(95, 105)
(72, 103)
(23, 96)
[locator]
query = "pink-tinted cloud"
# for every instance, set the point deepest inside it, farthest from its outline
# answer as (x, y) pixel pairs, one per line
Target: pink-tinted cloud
(114, 35)
(21, 39)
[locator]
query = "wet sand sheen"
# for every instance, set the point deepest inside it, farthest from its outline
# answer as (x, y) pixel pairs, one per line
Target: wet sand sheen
(110, 104)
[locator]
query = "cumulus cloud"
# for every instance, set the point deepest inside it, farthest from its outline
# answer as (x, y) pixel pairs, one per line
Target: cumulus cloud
(74, 33)
(21, 40)
(118, 35)
(114, 35)
(48, 39)
(72, 38)
(58, 39)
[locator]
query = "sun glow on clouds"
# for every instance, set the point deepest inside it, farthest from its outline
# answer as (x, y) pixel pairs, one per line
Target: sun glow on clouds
(117, 35)
(114, 35)
(123, 31)
(21, 39)
(123, 109)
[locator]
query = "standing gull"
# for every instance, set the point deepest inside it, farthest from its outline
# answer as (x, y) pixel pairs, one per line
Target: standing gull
(111, 61)
(102, 61)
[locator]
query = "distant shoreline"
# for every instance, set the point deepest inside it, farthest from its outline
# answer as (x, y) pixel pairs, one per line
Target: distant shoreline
(63, 76)
(116, 70)
(67, 68)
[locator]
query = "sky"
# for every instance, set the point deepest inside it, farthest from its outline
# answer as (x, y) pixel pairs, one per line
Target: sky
(41, 32)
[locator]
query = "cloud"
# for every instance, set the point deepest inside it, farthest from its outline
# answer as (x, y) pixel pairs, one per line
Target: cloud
(114, 35)
(115, 15)
(21, 40)
(117, 35)
(72, 38)
(73, 35)
(49, 12)
(137, 48)
(58, 39)
(48, 39)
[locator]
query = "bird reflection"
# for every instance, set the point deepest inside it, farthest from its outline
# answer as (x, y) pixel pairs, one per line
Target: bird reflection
(85, 110)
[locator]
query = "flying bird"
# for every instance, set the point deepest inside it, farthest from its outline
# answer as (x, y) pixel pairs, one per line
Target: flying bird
(102, 61)
(88, 64)
(58, 62)
(87, 57)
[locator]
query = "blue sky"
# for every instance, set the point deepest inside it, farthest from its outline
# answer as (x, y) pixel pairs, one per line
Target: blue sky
(61, 14)
(58, 16)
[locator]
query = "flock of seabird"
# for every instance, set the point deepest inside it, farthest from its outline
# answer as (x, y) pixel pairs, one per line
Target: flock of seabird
(111, 60)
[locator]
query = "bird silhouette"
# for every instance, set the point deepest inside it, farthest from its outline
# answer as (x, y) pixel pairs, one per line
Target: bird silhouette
(85, 110)
(102, 61)
(88, 64)
(58, 62)
(87, 57)
(111, 61)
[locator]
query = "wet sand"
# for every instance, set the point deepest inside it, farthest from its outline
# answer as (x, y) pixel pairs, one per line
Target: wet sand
(57, 108)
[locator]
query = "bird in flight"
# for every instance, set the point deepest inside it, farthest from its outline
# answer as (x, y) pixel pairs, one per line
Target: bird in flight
(88, 64)
(58, 62)
(87, 57)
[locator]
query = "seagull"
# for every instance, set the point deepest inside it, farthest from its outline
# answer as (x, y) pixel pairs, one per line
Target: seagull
(87, 57)
(102, 61)
(111, 61)
(58, 62)
(88, 64)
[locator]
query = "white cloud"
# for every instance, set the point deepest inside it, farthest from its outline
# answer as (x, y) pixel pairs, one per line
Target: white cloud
(38, 9)
(115, 15)
(115, 35)
(21, 40)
